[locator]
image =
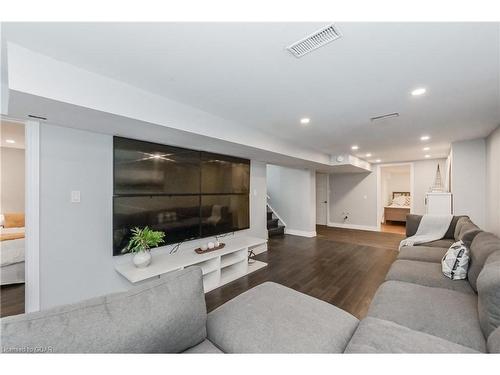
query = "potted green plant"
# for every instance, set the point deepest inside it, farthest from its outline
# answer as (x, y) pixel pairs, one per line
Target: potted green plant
(139, 244)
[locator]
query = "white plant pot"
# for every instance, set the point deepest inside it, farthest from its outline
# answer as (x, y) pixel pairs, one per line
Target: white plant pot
(142, 259)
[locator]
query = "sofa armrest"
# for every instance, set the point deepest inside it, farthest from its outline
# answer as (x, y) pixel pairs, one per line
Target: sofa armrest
(412, 223)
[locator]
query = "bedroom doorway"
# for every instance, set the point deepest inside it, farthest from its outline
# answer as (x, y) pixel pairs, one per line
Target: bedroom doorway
(395, 195)
(12, 216)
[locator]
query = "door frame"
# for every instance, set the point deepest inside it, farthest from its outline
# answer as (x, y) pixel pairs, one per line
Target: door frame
(327, 197)
(379, 188)
(32, 214)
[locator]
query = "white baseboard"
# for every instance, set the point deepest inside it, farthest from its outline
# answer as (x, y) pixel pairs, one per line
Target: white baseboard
(373, 228)
(301, 233)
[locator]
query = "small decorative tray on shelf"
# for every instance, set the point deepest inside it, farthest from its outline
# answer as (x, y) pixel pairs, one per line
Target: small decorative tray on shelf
(200, 251)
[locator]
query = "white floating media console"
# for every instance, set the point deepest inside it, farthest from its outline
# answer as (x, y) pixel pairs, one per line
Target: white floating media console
(219, 267)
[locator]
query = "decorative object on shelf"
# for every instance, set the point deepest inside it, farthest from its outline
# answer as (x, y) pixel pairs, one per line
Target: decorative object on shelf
(200, 250)
(251, 254)
(211, 245)
(139, 244)
(438, 182)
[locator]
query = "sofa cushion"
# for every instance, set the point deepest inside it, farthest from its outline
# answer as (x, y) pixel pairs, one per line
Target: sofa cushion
(439, 312)
(482, 246)
(488, 290)
(467, 232)
(422, 253)
(426, 274)
(204, 347)
(458, 226)
(444, 244)
(494, 341)
(272, 318)
(450, 233)
(382, 336)
(162, 316)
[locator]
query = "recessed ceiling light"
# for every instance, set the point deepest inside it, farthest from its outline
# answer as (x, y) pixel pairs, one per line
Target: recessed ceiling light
(305, 120)
(425, 138)
(355, 147)
(419, 91)
(378, 161)
(427, 156)
(426, 148)
(368, 155)
(10, 141)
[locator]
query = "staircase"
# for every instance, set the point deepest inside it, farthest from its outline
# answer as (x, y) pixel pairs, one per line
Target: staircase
(274, 227)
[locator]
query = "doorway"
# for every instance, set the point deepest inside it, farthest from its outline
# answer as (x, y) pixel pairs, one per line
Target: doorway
(12, 216)
(395, 196)
(322, 209)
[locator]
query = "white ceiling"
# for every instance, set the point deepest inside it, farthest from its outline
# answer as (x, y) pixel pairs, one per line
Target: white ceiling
(241, 71)
(14, 131)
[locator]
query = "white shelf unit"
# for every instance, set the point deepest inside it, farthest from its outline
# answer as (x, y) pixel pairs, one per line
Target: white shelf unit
(211, 280)
(232, 258)
(233, 272)
(218, 267)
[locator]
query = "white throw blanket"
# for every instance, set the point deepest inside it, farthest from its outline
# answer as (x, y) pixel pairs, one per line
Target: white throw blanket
(431, 228)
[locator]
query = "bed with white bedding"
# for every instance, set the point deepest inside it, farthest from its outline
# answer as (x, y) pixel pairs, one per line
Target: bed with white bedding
(12, 255)
(399, 207)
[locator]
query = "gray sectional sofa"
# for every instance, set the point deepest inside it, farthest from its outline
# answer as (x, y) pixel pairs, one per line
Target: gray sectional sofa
(416, 310)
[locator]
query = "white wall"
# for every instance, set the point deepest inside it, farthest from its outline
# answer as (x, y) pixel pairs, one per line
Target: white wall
(12, 179)
(468, 179)
(356, 195)
(258, 199)
(4, 98)
(76, 259)
(493, 182)
(293, 196)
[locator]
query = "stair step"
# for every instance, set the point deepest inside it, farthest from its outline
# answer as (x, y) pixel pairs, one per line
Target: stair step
(269, 215)
(273, 223)
(278, 231)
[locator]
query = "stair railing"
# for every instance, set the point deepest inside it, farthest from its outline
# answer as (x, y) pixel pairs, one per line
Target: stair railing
(274, 212)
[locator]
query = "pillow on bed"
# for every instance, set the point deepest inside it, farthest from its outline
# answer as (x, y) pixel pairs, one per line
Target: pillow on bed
(399, 201)
(14, 220)
(407, 200)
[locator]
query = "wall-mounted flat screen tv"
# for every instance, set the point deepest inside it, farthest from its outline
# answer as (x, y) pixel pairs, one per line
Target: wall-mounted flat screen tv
(187, 194)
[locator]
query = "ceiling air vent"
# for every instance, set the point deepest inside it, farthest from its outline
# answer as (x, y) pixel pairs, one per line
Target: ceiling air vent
(319, 38)
(383, 117)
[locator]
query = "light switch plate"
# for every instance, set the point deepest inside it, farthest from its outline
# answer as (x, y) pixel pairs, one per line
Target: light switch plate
(75, 196)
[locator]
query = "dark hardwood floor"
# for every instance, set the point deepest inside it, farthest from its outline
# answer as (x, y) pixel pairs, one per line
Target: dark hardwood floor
(12, 300)
(341, 266)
